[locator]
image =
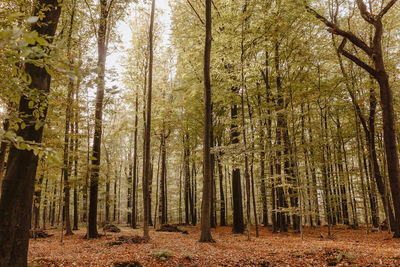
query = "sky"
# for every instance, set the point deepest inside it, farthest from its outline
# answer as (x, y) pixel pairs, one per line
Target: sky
(115, 58)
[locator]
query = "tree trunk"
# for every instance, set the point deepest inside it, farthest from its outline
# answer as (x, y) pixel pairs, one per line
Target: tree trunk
(238, 222)
(221, 192)
(19, 180)
(147, 137)
(98, 127)
(205, 235)
(187, 177)
(135, 156)
(36, 200)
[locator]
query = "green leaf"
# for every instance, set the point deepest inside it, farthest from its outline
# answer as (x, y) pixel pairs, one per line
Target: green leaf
(31, 37)
(31, 104)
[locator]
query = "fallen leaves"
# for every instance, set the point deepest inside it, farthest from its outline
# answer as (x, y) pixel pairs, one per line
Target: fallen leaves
(349, 247)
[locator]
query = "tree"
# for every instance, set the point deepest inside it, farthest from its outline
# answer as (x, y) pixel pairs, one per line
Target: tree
(378, 72)
(147, 163)
(18, 183)
(205, 235)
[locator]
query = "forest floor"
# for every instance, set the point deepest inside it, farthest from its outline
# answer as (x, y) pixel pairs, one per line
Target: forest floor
(346, 247)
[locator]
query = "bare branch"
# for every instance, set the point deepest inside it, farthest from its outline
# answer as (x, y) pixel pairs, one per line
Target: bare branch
(109, 7)
(355, 59)
(91, 19)
(197, 14)
(334, 29)
(386, 8)
(216, 9)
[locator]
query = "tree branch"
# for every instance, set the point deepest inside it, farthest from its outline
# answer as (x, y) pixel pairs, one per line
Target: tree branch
(364, 12)
(334, 29)
(197, 14)
(355, 59)
(386, 8)
(109, 7)
(91, 18)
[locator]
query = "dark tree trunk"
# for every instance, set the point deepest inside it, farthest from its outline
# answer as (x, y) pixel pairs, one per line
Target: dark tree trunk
(115, 198)
(108, 186)
(36, 200)
(150, 191)
(45, 201)
(221, 192)
(19, 180)
(135, 156)
(53, 207)
(187, 177)
(213, 219)
(76, 155)
(238, 222)
(98, 127)
(205, 235)
(194, 190)
(129, 191)
(163, 196)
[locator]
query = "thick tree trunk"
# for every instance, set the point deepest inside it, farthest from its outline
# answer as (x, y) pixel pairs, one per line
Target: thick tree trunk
(19, 180)
(389, 133)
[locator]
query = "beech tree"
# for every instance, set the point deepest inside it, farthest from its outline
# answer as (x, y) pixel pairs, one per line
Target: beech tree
(207, 183)
(19, 180)
(375, 52)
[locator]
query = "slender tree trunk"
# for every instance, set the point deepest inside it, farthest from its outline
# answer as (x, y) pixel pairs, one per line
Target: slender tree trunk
(157, 187)
(147, 166)
(36, 200)
(163, 194)
(135, 160)
(205, 235)
(45, 201)
(187, 177)
(221, 192)
(98, 127)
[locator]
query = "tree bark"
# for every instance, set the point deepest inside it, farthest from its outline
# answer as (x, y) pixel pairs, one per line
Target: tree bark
(19, 180)
(147, 163)
(205, 235)
(135, 156)
(98, 127)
